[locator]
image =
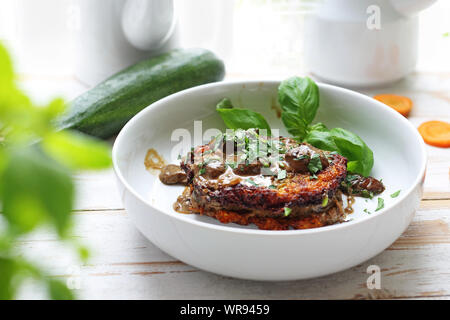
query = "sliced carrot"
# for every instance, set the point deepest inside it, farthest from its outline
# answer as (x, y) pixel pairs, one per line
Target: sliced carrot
(399, 103)
(436, 133)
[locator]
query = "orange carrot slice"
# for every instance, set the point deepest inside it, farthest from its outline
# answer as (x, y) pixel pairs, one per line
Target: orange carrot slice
(436, 133)
(399, 103)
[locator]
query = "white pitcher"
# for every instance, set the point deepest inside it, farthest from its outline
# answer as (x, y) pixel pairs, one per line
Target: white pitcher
(363, 43)
(113, 34)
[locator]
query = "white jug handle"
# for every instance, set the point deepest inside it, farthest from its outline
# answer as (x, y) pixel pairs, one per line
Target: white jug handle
(148, 24)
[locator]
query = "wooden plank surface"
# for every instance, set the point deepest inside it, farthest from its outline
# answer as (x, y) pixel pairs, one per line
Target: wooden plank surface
(126, 266)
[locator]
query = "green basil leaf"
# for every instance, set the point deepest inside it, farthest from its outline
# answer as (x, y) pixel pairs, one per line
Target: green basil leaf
(237, 118)
(321, 138)
(351, 146)
(293, 125)
(225, 104)
(299, 97)
(318, 127)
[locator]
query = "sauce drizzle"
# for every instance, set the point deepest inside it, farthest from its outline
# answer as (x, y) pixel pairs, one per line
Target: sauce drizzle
(350, 202)
(277, 110)
(183, 203)
(153, 161)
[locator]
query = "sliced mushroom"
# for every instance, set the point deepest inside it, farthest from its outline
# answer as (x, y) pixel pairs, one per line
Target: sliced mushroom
(250, 169)
(172, 174)
(298, 158)
(214, 169)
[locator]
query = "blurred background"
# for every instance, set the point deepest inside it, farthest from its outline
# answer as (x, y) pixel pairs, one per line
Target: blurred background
(255, 38)
(260, 37)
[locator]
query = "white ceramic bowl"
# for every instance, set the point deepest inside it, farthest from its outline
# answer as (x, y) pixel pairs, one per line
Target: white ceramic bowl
(248, 253)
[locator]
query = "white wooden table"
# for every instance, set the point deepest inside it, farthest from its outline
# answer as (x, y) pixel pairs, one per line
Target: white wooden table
(124, 265)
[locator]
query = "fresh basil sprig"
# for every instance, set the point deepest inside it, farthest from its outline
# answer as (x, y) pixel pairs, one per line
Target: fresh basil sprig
(237, 118)
(299, 101)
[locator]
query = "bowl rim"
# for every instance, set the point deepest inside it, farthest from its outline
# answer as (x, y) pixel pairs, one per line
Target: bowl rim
(298, 232)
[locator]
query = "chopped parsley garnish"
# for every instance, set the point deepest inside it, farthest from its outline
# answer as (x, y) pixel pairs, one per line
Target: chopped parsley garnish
(367, 211)
(208, 152)
(380, 204)
(351, 177)
(281, 174)
(366, 194)
(395, 194)
(202, 171)
(272, 186)
(313, 177)
(287, 211)
(218, 140)
(325, 201)
(315, 164)
(231, 164)
(301, 157)
(331, 155)
(265, 163)
(251, 182)
(242, 157)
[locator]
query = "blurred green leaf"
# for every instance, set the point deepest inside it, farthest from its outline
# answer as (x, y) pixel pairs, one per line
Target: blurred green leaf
(52, 110)
(6, 69)
(77, 151)
(3, 162)
(23, 121)
(5, 243)
(59, 291)
(36, 188)
(14, 270)
(83, 253)
(8, 272)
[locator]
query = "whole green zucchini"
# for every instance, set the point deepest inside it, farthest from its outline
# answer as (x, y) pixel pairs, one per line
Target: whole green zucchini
(106, 108)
